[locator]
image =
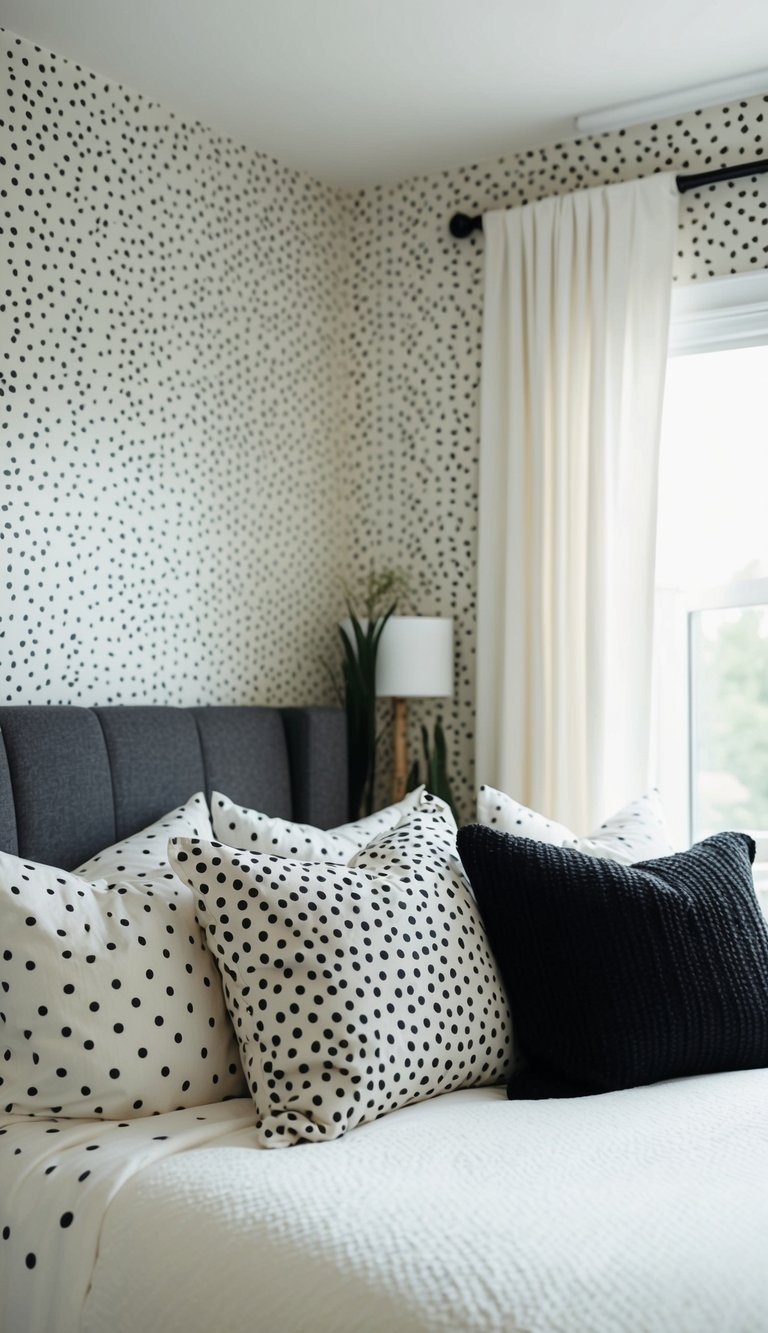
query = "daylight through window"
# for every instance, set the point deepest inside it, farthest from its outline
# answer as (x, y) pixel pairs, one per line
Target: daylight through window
(712, 579)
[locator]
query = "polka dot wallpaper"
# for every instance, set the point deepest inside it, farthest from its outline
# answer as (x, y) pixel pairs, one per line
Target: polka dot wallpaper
(169, 327)
(413, 349)
(225, 387)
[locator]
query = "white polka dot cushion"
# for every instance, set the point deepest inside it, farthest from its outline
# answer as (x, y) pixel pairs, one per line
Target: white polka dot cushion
(145, 854)
(110, 1004)
(637, 832)
(238, 827)
(357, 989)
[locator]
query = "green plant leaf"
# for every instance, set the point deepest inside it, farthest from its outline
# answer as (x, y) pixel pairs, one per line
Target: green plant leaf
(435, 757)
(382, 592)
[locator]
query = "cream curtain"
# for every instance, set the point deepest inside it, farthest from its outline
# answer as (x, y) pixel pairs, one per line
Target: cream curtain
(576, 318)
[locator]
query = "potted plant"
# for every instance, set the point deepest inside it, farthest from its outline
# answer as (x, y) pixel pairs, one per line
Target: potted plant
(383, 591)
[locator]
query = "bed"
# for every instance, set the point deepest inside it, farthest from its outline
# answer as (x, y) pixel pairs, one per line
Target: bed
(644, 1209)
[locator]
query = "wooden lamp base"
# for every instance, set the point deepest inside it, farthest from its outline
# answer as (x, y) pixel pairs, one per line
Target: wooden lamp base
(399, 760)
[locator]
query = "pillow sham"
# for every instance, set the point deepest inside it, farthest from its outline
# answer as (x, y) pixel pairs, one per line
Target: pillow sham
(637, 832)
(356, 989)
(110, 1004)
(624, 975)
(145, 854)
(238, 827)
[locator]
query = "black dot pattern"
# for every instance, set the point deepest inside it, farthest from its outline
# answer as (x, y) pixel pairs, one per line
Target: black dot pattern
(238, 826)
(169, 403)
(110, 1004)
(353, 990)
(203, 354)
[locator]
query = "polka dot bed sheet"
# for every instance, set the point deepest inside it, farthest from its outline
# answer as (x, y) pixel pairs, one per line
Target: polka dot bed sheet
(57, 1179)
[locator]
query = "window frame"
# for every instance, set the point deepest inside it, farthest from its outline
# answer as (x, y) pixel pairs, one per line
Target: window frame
(725, 597)
(720, 314)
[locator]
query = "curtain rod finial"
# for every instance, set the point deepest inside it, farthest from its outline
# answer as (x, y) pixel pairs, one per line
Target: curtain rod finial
(461, 225)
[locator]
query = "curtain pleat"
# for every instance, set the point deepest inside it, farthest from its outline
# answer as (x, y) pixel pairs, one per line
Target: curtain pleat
(575, 329)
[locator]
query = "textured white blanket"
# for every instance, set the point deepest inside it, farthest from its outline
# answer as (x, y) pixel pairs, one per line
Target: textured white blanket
(634, 1211)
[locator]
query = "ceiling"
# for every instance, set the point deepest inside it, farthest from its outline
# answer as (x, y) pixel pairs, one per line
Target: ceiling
(358, 92)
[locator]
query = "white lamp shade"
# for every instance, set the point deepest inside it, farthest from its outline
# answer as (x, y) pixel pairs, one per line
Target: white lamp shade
(415, 658)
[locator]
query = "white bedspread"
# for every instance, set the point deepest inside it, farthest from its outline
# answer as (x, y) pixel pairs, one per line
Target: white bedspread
(641, 1210)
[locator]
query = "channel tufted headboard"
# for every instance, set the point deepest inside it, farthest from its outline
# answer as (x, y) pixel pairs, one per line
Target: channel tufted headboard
(74, 780)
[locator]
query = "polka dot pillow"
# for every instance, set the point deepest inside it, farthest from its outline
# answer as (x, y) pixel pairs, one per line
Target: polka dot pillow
(238, 827)
(145, 855)
(110, 1005)
(637, 832)
(354, 990)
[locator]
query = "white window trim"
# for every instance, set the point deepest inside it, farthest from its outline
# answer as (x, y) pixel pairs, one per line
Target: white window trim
(740, 593)
(746, 592)
(715, 315)
(720, 313)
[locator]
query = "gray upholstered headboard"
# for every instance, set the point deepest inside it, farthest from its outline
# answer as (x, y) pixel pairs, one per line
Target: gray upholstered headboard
(74, 780)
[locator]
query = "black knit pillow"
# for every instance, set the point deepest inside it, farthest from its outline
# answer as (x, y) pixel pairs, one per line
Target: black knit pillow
(623, 975)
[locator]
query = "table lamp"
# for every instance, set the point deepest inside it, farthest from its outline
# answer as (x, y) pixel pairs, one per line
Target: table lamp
(414, 661)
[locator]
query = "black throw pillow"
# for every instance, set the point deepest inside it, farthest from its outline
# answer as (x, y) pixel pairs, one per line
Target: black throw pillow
(624, 975)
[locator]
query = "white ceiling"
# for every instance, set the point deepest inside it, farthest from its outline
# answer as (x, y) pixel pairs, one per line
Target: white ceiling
(364, 91)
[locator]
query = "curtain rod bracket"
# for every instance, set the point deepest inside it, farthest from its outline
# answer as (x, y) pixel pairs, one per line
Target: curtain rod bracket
(461, 225)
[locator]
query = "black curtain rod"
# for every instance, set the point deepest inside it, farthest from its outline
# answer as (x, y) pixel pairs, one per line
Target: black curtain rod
(461, 224)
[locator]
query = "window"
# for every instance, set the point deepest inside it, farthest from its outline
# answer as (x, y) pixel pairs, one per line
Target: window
(728, 682)
(711, 671)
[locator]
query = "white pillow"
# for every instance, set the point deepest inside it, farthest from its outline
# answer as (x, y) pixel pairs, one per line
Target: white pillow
(637, 832)
(357, 989)
(238, 827)
(110, 1005)
(145, 854)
